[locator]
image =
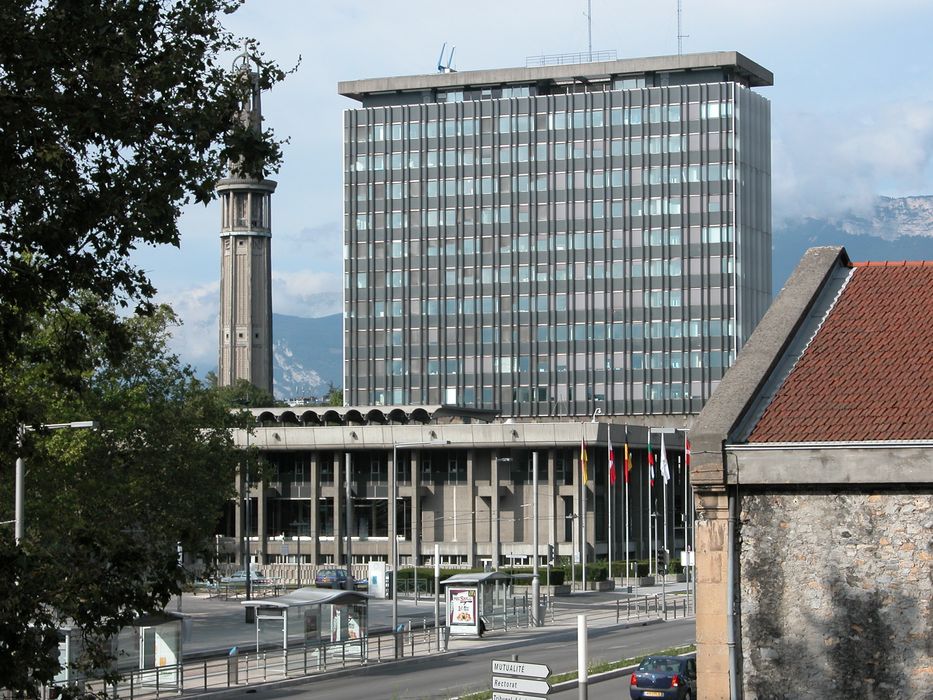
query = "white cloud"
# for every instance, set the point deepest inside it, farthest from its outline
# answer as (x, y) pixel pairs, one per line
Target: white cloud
(825, 165)
(318, 245)
(195, 341)
(307, 293)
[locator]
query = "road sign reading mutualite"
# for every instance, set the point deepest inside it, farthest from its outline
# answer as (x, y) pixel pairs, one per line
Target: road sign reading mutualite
(519, 668)
(520, 685)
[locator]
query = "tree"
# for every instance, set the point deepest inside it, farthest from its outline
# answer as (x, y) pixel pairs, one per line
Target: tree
(107, 508)
(334, 397)
(114, 114)
(242, 393)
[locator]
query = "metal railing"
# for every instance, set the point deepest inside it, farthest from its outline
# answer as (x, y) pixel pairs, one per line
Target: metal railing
(239, 670)
(560, 59)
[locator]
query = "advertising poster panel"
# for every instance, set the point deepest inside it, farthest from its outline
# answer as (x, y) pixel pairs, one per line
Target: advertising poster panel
(462, 613)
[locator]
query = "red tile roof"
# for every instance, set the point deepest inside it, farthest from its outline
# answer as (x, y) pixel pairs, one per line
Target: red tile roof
(868, 372)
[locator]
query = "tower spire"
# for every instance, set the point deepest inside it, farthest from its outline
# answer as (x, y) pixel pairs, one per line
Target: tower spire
(245, 338)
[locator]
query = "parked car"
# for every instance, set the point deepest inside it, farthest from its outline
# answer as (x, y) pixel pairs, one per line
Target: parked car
(256, 578)
(337, 578)
(664, 677)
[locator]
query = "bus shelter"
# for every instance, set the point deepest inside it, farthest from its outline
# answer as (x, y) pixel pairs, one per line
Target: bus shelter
(153, 645)
(312, 617)
(475, 601)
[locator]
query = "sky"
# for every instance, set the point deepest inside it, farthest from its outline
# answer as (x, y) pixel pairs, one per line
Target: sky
(851, 107)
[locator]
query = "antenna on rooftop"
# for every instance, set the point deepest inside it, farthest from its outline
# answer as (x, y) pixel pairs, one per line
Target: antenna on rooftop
(589, 29)
(441, 68)
(680, 35)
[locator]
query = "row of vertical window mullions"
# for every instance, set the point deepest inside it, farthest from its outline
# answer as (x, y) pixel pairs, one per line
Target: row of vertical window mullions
(669, 239)
(502, 272)
(585, 117)
(245, 210)
(490, 186)
(394, 196)
(574, 148)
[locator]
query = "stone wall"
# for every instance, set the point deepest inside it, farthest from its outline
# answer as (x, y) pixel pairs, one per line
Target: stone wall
(835, 594)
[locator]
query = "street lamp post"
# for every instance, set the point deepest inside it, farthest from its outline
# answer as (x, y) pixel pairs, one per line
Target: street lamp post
(20, 495)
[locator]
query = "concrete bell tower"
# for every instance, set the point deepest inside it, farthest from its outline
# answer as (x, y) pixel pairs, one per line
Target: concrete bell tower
(245, 341)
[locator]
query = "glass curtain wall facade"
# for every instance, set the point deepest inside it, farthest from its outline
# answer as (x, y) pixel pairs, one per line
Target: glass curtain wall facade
(548, 248)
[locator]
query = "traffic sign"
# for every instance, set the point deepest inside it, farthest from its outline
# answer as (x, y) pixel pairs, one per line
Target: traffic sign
(513, 696)
(520, 685)
(520, 668)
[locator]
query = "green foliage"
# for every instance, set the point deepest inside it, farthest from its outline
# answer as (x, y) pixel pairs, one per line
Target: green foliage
(26, 626)
(114, 114)
(558, 575)
(636, 567)
(595, 571)
(334, 397)
(106, 508)
(241, 394)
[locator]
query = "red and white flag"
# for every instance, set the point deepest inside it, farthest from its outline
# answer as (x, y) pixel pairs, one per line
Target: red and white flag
(612, 465)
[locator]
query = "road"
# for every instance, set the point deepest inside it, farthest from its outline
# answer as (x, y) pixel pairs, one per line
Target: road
(447, 676)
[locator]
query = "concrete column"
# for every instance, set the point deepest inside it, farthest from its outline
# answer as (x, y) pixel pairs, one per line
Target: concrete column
(496, 534)
(712, 609)
(390, 508)
(577, 503)
(347, 468)
(261, 522)
(416, 508)
(314, 515)
(470, 502)
(338, 511)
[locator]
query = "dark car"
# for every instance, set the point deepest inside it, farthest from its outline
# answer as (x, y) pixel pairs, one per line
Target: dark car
(336, 578)
(664, 677)
(331, 578)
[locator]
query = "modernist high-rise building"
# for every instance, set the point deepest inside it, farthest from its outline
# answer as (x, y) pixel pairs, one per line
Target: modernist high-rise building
(551, 240)
(245, 341)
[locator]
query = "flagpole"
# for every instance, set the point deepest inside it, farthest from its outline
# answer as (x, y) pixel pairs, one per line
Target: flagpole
(583, 538)
(609, 473)
(652, 564)
(583, 479)
(680, 466)
(625, 471)
(627, 570)
(689, 518)
(665, 475)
